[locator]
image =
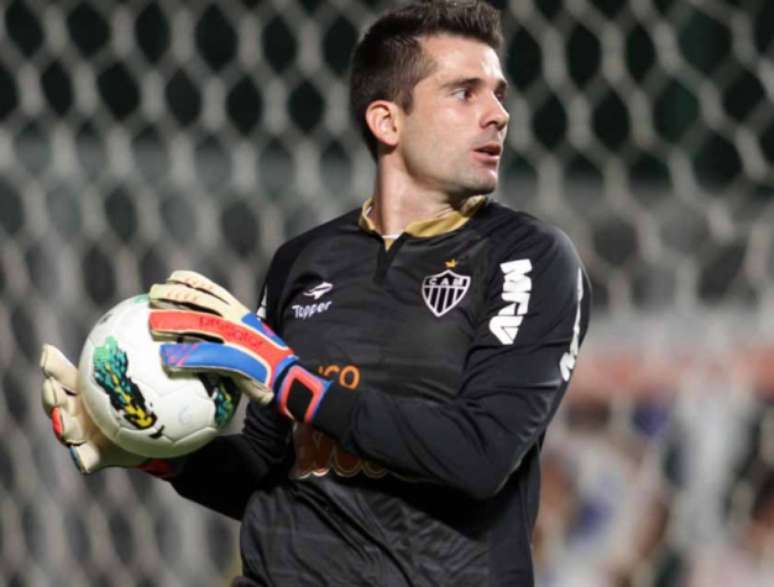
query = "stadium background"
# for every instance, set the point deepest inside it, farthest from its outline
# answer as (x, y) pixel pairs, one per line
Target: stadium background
(137, 137)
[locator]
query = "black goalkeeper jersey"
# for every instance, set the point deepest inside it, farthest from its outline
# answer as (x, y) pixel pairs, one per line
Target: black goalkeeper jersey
(449, 355)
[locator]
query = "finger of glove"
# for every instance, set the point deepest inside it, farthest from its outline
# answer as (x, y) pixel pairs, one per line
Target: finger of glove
(67, 428)
(202, 283)
(166, 323)
(256, 323)
(212, 356)
(86, 457)
(267, 350)
(255, 390)
(163, 294)
(177, 322)
(90, 457)
(204, 293)
(54, 364)
(56, 396)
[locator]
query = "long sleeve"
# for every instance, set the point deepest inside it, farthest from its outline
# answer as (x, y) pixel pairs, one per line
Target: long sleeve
(224, 474)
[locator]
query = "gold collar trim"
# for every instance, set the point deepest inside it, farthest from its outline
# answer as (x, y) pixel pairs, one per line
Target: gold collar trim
(430, 227)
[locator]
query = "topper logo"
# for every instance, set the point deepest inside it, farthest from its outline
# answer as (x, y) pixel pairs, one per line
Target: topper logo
(517, 287)
(319, 291)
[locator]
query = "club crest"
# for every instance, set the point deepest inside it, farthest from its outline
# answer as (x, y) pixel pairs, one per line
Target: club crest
(444, 290)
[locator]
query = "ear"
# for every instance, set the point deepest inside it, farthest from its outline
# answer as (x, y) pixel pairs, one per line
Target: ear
(383, 118)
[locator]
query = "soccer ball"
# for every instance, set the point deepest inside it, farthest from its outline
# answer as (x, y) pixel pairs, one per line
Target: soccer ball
(135, 402)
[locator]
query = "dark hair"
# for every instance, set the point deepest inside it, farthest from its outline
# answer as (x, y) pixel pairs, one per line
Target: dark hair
(388, 62)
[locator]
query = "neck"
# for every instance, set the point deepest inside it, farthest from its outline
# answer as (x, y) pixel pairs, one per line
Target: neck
(397, 202)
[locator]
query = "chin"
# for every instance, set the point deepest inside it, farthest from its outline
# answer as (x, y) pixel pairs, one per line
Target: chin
(484, 186)
(488, 188)
(485, 182)
(474, 184)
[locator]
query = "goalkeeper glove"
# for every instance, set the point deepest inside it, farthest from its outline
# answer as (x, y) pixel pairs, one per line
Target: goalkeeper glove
(189, 304)
(89, 448)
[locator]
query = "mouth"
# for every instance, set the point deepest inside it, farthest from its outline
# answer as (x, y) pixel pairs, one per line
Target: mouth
(490, 152)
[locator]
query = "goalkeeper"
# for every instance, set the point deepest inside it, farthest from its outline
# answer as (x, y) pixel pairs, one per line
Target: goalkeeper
(406, 358)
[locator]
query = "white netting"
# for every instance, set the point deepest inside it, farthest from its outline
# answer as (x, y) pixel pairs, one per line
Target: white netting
(137, 137)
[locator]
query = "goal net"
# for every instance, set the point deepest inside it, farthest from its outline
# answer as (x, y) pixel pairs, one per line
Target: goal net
(139, 137)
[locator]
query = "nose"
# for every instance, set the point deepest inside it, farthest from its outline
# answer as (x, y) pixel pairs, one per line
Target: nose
(496, 114)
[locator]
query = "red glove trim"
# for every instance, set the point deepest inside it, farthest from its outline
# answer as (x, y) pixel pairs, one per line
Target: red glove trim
(56, 423)
(186, 321)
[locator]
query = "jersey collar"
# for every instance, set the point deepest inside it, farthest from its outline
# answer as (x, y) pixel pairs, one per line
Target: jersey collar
(426, 228)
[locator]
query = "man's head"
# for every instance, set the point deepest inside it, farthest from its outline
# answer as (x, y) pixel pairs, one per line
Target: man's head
(444, 53)
(389, 61)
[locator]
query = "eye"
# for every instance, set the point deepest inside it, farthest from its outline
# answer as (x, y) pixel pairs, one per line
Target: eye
(464, 94)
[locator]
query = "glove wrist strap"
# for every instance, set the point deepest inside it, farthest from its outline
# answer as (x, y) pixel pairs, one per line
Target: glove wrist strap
(300, 393)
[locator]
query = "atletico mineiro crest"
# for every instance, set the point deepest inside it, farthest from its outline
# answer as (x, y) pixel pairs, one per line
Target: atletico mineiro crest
(444, 290)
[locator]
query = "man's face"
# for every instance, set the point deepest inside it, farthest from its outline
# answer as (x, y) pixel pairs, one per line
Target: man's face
(453, 138)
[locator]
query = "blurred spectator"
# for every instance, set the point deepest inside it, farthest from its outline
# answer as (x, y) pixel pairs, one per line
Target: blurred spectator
(747, 559)
(605, 505)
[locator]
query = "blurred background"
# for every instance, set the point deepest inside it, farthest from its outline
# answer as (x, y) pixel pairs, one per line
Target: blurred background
(138, 137)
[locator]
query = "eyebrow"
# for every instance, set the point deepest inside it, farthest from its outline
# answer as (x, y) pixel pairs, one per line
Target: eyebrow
(470, 82)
